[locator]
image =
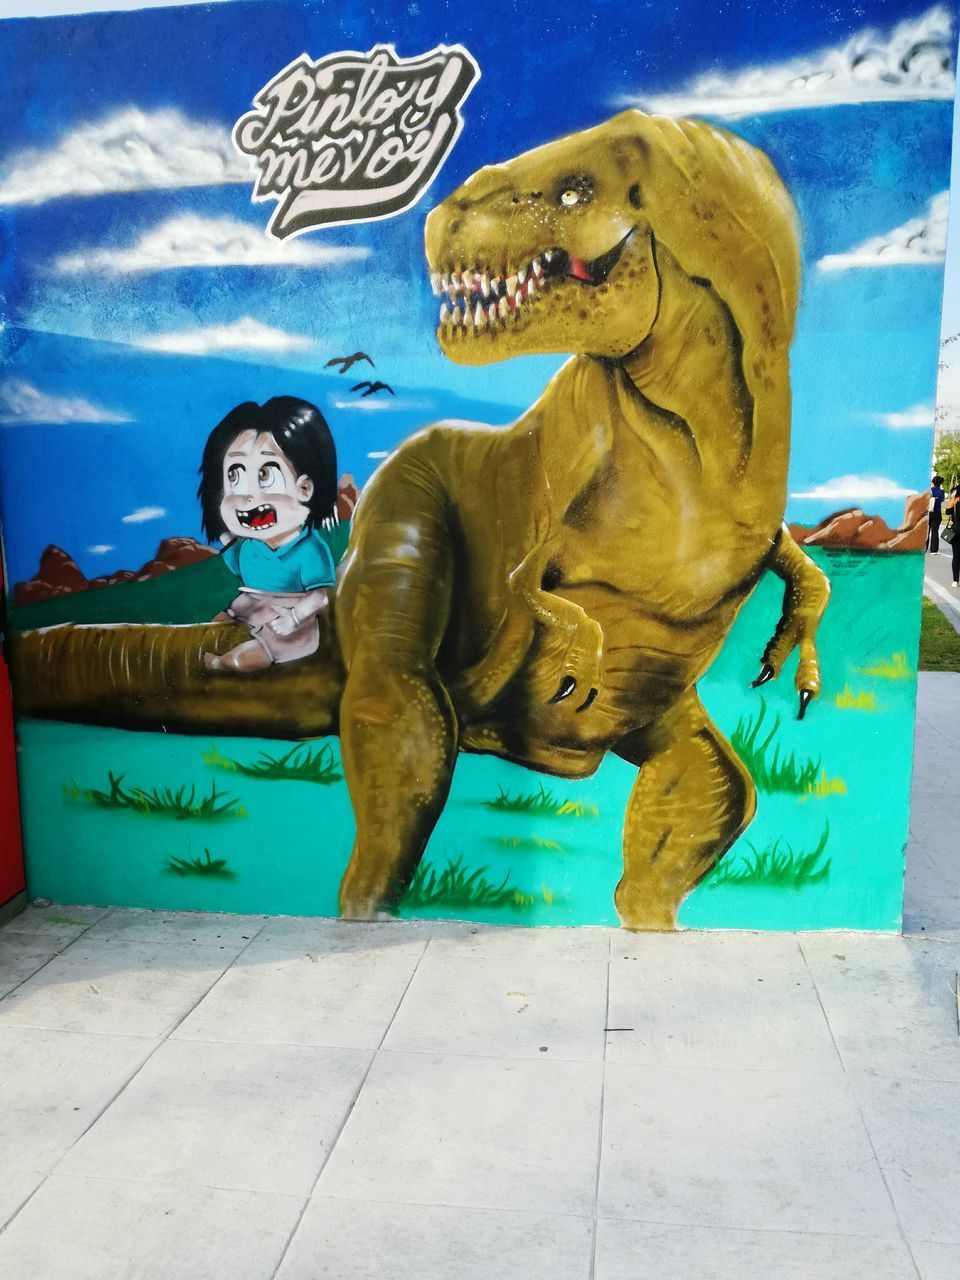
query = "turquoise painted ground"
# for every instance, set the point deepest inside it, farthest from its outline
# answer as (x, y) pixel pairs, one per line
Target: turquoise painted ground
(287, 851)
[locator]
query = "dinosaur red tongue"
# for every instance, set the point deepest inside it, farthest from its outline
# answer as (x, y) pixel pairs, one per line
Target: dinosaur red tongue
(578, 269)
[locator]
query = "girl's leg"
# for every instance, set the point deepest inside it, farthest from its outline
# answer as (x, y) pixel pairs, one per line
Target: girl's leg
(249, 656)
(956, 561)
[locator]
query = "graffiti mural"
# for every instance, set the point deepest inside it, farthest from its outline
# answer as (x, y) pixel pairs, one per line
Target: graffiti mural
(534, 580)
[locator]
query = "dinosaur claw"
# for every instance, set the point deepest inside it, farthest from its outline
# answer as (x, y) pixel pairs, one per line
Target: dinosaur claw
(588, 700)
(806, 697)
(766, 673)
(566, 687)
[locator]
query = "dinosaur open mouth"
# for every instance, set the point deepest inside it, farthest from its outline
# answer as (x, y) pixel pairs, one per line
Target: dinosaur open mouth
(262, 517)
(477, 299)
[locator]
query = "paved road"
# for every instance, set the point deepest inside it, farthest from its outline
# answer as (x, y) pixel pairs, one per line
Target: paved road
(937, 584)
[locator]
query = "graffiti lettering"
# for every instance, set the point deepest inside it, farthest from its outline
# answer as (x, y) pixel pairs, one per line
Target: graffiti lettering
(353, 137)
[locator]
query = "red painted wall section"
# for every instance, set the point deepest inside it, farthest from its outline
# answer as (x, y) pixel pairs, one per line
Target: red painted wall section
(11, 847)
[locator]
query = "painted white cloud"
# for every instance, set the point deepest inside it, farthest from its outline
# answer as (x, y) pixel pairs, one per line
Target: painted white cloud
(246, 334)
(920, 242)
(917, 417)
(189, 240)
(101, 548)
(913, 61)
(142, 514)
(20, 401)
(132, 150)
(379, 453)
(855, 489)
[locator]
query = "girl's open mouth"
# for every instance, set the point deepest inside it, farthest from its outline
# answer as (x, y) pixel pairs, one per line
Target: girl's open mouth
(262, 517)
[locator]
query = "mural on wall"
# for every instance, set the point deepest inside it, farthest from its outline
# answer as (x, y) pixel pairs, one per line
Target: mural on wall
(521, 661)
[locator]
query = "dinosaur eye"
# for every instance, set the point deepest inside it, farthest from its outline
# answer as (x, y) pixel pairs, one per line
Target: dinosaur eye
(573, 190)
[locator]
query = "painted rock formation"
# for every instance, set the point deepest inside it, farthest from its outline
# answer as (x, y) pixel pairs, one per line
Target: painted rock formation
(853, 529)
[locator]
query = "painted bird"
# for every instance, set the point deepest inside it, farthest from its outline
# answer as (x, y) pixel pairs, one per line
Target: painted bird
(347, 362)
(373, 387)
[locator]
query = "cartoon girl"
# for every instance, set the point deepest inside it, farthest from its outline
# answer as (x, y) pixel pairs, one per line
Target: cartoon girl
(267, 479)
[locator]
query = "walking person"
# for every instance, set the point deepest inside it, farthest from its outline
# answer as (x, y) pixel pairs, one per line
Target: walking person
(952, 507)
(935, 517)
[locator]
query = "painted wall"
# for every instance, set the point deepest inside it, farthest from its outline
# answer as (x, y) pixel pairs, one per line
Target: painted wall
(687, 324)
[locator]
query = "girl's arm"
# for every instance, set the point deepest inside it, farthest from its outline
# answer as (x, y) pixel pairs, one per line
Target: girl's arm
(308, 606)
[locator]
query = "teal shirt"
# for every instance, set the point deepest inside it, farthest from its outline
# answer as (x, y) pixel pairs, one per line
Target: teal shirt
(297, 566)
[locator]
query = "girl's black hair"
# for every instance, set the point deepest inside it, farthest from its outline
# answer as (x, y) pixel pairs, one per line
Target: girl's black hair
(302, 435)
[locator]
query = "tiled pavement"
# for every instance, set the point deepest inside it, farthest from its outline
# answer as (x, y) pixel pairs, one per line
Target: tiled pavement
(233, 1098)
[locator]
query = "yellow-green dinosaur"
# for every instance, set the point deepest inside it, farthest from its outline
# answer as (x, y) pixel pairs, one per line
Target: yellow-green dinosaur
(550, 591)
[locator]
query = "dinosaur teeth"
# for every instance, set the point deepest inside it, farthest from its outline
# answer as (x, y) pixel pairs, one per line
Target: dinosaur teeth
(479, 317)
(504, 308)
(536, 268)
(444, 313)
(485, 284)
(435, 283)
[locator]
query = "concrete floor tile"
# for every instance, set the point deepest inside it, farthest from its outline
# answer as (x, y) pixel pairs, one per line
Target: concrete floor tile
(134, 988)
(716, 1000)
(487, 1133)
(522, 946)
(55, 1084)
(343, 1240)
(635, 1250)
(936, 1261)
(915, 1128)
(760, 1150)
(250, 1117)
(320, 933)
(890, 1002)
(56, 922)
(276, 994)
(182, 928)
(22, 954)
(16, 1186)
(101, 1229)
(501, 1007)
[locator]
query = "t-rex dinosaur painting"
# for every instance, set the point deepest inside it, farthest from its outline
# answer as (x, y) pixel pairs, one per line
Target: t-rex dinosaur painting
(553, 590)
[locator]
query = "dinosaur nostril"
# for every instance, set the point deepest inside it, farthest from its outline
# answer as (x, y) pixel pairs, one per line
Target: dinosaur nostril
(455, 227)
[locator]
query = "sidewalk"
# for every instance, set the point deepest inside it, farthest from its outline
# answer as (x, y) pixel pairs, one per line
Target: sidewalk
(938, 583)
(188, 1097)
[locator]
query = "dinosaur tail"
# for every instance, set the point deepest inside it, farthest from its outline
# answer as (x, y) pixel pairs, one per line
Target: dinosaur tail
(153, 677)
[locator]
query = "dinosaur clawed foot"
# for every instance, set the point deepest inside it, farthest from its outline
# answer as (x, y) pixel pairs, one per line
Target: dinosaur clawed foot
(806, 691)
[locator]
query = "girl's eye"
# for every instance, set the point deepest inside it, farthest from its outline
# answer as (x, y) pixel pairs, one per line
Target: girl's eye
(269, 475)
(233, 475)
(569, 197)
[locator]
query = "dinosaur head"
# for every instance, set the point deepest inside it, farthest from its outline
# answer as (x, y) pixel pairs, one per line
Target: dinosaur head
(556, 250)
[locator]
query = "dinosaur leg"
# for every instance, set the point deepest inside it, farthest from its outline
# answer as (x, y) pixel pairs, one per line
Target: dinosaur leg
(805, 596)
(691, 800)
(398, 730)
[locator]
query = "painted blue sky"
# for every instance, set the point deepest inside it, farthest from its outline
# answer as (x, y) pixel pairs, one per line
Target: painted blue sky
(138, 309)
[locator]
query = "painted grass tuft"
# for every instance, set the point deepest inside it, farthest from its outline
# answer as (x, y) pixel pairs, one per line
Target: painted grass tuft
(456, 887)
(779, 867)
(525, 844)
(896, 667)
(159, 802)
(542, 802)
(856, 700)
(753, 741)
(212, 868)
(319, 766)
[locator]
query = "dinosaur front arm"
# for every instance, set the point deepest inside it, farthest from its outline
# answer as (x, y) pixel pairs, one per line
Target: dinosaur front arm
(805, 596)
(571, 643)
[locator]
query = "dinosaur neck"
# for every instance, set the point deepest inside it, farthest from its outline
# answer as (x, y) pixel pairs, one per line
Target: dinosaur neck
(690, 368)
